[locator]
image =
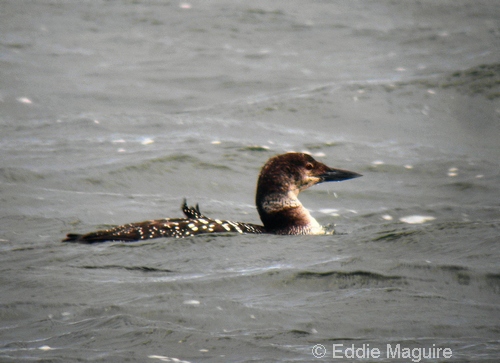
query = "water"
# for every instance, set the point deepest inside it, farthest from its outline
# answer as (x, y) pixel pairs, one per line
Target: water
(112, 112)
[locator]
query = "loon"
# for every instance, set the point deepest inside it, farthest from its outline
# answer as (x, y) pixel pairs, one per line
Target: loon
(280, 181)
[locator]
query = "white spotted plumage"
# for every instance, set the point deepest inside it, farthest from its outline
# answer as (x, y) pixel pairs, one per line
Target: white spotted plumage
(280, 181)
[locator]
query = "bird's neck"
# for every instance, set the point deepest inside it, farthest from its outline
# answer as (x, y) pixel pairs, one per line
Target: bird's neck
(283, 213)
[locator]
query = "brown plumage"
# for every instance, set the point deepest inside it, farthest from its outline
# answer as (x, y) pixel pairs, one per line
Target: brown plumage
(281, 180)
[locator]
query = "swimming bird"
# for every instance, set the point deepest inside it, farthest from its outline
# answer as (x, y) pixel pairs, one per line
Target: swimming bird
(281, 180)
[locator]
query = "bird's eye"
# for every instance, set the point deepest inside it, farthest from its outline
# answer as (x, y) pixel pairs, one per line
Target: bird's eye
(309, 166)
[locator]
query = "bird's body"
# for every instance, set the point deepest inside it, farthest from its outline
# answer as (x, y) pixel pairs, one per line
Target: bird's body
(280, 181)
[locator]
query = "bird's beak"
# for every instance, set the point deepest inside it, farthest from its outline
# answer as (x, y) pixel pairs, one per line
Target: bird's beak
(336, 175)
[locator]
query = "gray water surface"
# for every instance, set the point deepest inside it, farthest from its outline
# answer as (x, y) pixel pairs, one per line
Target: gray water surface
(113, 112)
